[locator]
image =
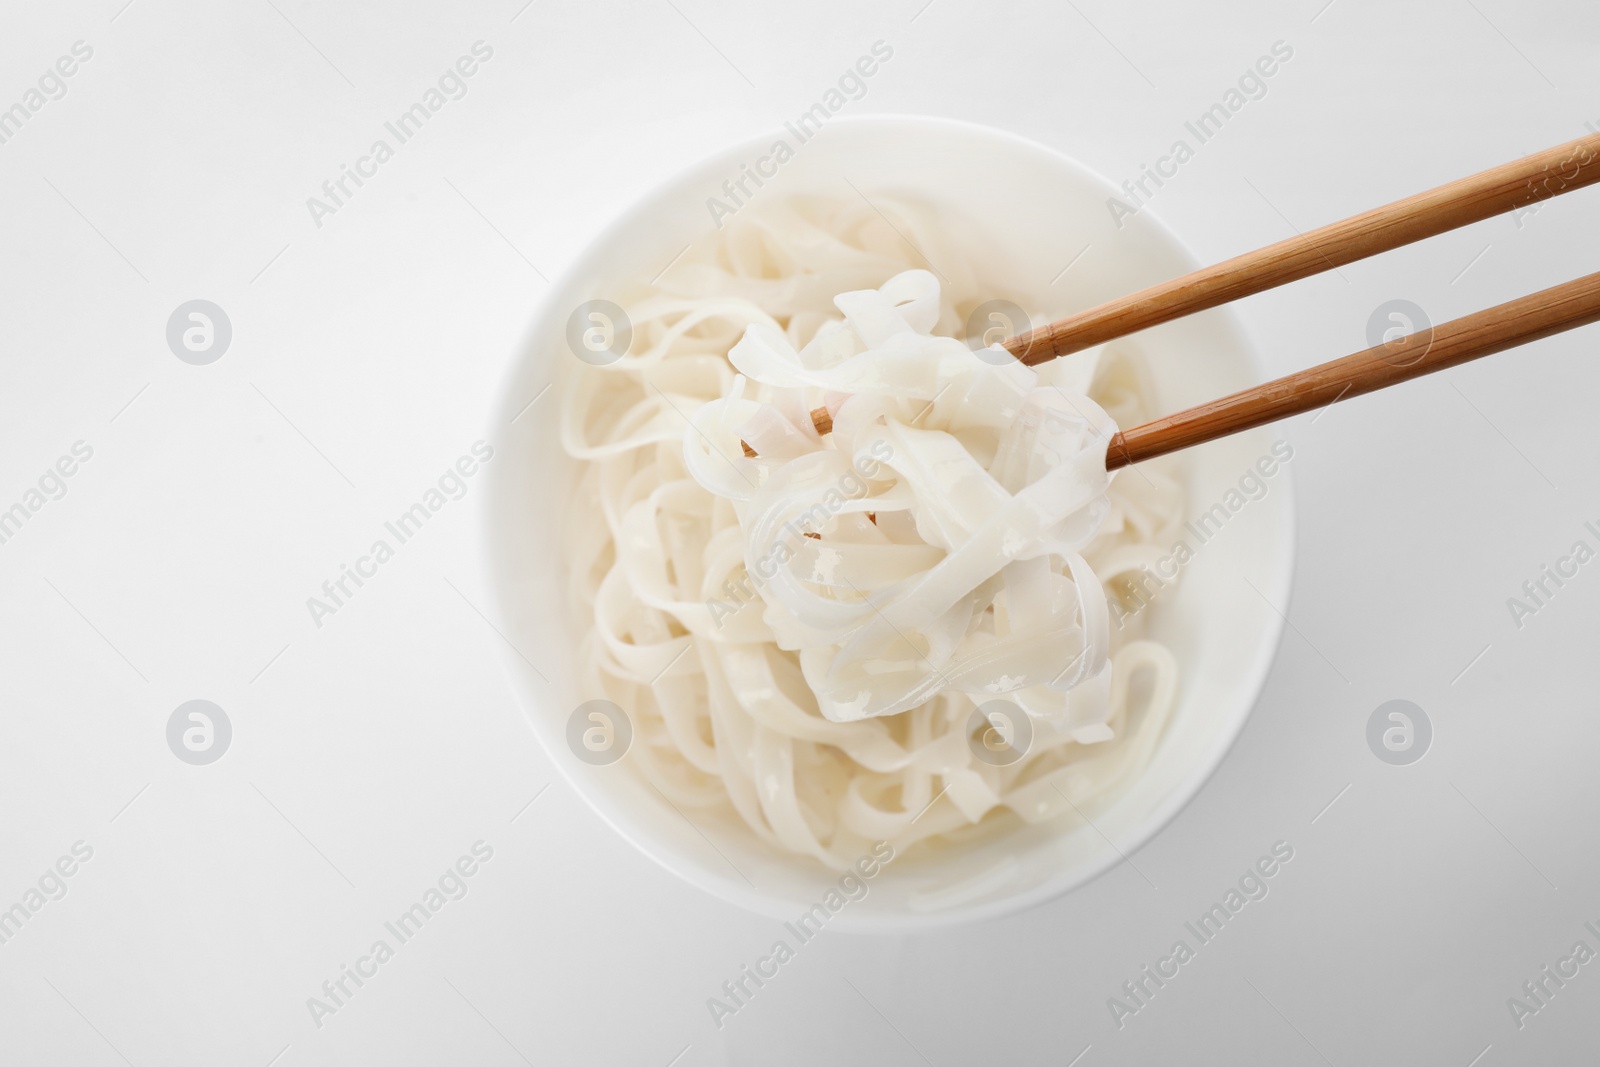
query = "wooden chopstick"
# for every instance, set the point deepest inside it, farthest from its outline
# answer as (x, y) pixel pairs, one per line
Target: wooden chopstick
(1534, 178)
(1540, 176)
(1552, 311)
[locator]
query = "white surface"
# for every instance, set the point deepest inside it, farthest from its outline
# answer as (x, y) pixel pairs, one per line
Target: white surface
(374, 751)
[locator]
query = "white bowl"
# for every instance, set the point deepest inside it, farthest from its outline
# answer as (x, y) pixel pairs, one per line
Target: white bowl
(1024, 211)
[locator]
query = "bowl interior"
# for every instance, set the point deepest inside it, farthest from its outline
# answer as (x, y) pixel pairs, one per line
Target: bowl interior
(1022, 213)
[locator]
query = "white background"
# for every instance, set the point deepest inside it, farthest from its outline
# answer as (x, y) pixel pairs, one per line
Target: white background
(370, 753)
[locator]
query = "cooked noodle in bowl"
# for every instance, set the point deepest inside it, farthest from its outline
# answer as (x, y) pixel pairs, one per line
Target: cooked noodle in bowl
(939, 633)
(917, 629)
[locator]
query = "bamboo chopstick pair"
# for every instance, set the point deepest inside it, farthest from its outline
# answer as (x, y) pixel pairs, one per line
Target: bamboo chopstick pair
(1538, 177)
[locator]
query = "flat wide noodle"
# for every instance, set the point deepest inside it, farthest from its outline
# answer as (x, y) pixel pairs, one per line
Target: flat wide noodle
(801, 638)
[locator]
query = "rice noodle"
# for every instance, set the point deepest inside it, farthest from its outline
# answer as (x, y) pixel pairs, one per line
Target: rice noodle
(802, 638)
